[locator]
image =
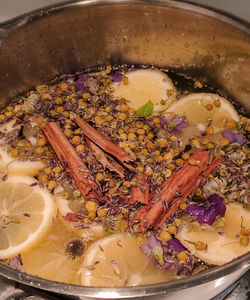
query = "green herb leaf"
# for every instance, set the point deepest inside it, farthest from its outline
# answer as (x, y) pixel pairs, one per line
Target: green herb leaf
(107, 229)
(158, 254)
(145, 110)
(23, 98)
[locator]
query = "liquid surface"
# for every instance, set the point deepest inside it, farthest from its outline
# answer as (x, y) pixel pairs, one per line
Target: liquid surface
(137, 180)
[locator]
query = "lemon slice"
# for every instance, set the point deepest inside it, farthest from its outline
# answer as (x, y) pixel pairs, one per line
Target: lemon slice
(116, 260)
(67, 205)
(10, 126)
(11, 166)
(26, 212)
(204, 108)
(222, 244)
(50, 259)
(145, 85)
(94, 230)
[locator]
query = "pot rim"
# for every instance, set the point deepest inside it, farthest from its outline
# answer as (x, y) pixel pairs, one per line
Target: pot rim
(202, 9)
(242, 262)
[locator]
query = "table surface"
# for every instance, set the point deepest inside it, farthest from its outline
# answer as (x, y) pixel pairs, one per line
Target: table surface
(13, 8)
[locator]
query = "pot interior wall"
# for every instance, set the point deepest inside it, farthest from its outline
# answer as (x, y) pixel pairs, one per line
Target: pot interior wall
(38, 47)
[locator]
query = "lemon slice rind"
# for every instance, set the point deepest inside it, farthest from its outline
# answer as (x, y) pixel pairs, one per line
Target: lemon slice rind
(223, 245)
(48, 212)
(116, 260)
(50, 256)
(93, 229)
(181, 107)
(12, 166)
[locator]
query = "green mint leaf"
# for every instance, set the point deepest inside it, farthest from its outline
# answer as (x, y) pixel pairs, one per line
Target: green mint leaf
(158, 254)
(145, 110)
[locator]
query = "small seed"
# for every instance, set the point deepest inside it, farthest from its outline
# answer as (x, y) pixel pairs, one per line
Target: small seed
(57, 170)
(200, 245)
(209, 107)
(183, 206)
(122, 116)
(217, 103)
(99, 177)
(165, 236)
(182, 256)
(14, 153)
(91, 206)
(101, 212)
(51, 184)
(123, 107)
(39, 150)
(172, 229)
(86, 95)
(244, 240)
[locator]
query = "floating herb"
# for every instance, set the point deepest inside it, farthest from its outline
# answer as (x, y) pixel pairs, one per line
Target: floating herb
(23, 98)
(145, 110)
(100, 247)
(107, 229)
(75, 248)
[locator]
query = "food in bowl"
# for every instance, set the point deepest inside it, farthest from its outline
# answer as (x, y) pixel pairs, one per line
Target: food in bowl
(123, 176)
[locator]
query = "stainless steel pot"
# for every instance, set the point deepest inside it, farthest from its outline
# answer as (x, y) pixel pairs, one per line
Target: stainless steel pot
(76, 35)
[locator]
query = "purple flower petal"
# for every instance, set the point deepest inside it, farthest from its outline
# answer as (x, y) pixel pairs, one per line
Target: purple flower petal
(209, 210)
(227, 134)
(153, 242)
(163, 122)
(178, 119)
(92, 267)
(195, 210)
(169, 266)
(181, 270)
(164, 255)
(218, 204)
(175, 245)
(157, 249)
(154, 248)
(70, 79)
(239, 138)
(146, 249)
(81, 82)
(16, 263)
(233, 137)
(208, 217)
(220, 209)
(175, 125)
(180, 122)
(117, 77)
(215, 199)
